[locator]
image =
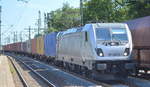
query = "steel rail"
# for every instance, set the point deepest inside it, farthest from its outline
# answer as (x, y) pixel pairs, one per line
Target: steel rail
(25, 84)
(122, 82)
(43, 78)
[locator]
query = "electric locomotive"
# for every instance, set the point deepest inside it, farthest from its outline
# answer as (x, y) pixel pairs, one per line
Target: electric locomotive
(96, 47)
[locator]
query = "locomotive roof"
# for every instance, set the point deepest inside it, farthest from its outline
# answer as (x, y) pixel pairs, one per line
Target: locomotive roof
(72, 30)
(79, 29)
(120, 25)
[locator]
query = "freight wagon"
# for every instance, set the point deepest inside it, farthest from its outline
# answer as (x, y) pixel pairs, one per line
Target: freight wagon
(40, 47)
(33, 46)
(50, 46)
(140, 29)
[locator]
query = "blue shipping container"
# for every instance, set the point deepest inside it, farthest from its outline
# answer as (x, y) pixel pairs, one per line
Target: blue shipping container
(50, 44)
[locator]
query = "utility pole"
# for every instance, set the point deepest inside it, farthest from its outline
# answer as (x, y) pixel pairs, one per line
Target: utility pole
(45, 22)
(0, 28)
(8, 39)
(49, 24)
(81, 11)
(21, 36)
(14, 37)
(29, 33)
(39, 23)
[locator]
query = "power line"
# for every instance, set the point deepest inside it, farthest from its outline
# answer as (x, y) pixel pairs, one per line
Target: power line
(29, 31)
(15, 24)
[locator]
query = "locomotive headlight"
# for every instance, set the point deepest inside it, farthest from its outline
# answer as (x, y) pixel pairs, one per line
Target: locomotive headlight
(126, 52)
(99, 52)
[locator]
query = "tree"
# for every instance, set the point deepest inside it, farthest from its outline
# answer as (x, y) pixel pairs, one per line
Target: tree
(105, 11)
(115, 10)
(63, 18)
(139, 8)
(98, 11)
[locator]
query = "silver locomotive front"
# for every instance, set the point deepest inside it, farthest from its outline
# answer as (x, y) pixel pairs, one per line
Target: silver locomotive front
(113, 47)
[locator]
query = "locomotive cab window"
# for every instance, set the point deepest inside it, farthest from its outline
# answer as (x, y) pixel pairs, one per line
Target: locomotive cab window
(119, 34)
(103, 34)
(108, 34)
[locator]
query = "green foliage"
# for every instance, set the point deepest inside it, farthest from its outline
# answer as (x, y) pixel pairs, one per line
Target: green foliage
(51, 29)
(105, 11)
(64, 18)
(97, 11)
(115, 10)
(139, 8)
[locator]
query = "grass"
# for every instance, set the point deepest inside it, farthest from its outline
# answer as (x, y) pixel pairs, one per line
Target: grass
(12, 70)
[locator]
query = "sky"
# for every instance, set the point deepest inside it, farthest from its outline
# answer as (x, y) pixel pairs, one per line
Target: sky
(18, 15)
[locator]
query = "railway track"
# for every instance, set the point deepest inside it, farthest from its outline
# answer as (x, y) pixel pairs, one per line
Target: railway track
(24, 82)
(59, 78)
(123, 82)
(43, 78)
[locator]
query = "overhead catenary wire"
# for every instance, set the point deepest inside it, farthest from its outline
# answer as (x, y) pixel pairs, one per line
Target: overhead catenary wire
(5, 33)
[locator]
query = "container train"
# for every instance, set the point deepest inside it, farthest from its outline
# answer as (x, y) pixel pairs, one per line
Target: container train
(97, 47)
(140, 29)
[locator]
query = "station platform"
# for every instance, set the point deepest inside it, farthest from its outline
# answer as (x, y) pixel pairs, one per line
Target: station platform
(6, 79)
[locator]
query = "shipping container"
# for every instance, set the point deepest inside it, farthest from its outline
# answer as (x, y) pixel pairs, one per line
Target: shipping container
(21, 47)
(28, 46)
(18, 47)
(24, 47)
(6, 47)
(50, 44)
(33, 43)
(10, 47)
(13, 46)
(40, 45)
